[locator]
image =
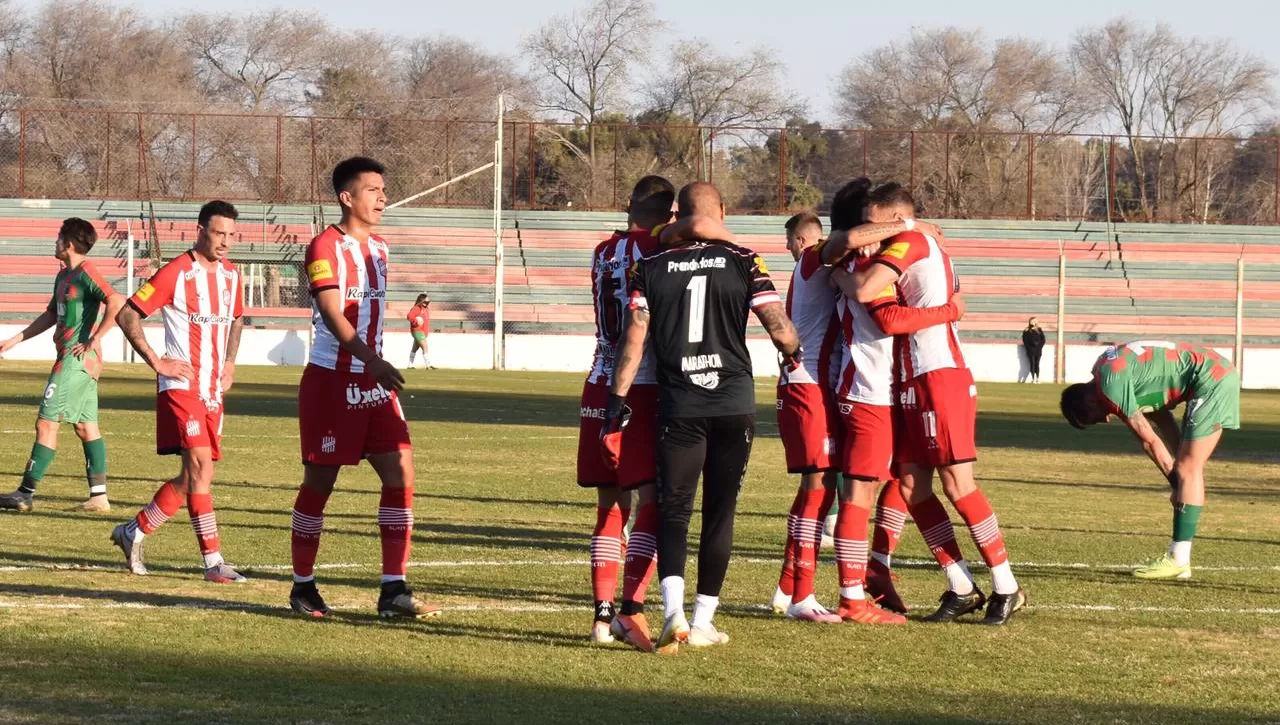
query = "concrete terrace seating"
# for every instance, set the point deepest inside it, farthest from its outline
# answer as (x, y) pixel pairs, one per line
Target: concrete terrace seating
(1133, 281)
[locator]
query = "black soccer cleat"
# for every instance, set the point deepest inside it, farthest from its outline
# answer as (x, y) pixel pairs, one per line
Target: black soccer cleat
(1002, 606)
(17, 501)
(397, 600)
(954, 605)
(306, 599)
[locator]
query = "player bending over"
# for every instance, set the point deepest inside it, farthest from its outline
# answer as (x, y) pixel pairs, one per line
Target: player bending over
(1142, 382)
(347, 405)
(71, 393)
(939, 407)
(200, 297)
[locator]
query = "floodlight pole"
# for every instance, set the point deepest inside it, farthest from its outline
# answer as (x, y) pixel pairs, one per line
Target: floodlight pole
(1060, 345)
(499, 343)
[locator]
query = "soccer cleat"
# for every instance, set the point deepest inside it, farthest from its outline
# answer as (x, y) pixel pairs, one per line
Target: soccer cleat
(954, 605)
(95, 504)
(223, 574)
(864, 612)
(1163, 568)
(632, 629)
(675, 632)
(131, 547)
(1002, 606)
(809, 610)
(397, 600)
(884, 593)
(304, 598)
(781, 602)
(17, 501)
(707, 636)
(600, 633)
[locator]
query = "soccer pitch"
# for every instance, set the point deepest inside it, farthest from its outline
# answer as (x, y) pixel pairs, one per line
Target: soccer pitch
(502, 540)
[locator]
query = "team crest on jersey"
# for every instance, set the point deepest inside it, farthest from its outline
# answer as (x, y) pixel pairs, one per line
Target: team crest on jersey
(328, 444)
(897, 250)
(382, 266)
(226, 298)
(709, 381)
(359, 398)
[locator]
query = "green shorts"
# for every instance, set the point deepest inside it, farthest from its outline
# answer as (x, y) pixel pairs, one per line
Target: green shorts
(1213, 408)
(70, 396)
(420, 338)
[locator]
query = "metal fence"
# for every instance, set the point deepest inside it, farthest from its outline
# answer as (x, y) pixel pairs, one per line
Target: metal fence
(104, 154)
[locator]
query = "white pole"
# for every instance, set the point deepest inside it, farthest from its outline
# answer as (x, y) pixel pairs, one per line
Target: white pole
(1239, 349)
(499, 277)
(128, 283)
(1060, 351)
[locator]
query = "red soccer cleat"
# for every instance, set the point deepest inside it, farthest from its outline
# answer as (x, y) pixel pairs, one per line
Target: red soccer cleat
(864, 612)
(632, 629)
(880, 587)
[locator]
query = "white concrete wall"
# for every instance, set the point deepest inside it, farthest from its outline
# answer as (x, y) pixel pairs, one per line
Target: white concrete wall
(991, 362)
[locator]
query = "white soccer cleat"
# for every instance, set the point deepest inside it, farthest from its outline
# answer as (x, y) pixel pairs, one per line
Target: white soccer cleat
(707, 636)
(675, 632)
(781, 602)
(600, 633)
(809, 610)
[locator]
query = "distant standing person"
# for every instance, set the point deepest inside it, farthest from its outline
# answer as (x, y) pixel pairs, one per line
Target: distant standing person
(419, 322)
(1033, 341)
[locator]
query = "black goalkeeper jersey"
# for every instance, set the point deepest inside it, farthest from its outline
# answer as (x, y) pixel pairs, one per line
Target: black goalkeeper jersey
(698, 295)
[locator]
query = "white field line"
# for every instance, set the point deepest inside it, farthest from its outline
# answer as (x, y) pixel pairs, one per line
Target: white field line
(477, 563)
(150, 435)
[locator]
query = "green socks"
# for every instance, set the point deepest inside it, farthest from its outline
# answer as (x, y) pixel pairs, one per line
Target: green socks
(41, 457)
(95, 463)
(1186, 518)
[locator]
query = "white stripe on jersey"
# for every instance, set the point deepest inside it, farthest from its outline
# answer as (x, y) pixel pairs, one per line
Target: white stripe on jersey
(811, 303)
(866, 364)
(378, 252)
(930, 282)
(363, 311)
(204, 307)
(177, 334)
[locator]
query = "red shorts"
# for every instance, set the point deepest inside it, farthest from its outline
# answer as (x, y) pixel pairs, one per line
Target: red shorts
(868, 441)
(637, 464)
(809, 428)
(184, 421)
(346, 417)
(939, 414)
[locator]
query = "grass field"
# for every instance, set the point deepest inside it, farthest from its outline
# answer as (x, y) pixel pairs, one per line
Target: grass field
(502, 540)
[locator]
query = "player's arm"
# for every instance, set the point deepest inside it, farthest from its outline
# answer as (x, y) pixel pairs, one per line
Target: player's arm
(233, 349)
(115, 303)
(843, 241)
(130, 321)
(775, 321)
(870, 282)
(47, 319)
(630, 353)
(694, 227)
(1167, 428)
(898, 319)
(1151, 443)
(329, 303)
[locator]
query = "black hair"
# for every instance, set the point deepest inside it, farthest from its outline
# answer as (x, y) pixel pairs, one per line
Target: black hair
(350, 169)
(849, 205)
(216, 208)
(652, 198)
(78, 233)
(1075, 404)
(422, 297)
(891, 194)
(803, 220)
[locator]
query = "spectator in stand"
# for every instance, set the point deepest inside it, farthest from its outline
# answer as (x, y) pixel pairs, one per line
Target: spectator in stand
(1033, 341)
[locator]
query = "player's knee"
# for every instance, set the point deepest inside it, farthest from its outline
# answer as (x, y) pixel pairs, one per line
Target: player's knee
(86, 431)
(1188, 469)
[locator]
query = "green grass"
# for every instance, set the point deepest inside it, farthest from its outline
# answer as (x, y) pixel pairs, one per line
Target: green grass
(502, 540)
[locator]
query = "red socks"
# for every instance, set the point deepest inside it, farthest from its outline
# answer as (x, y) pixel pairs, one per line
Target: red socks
(308, 522)
(205, 523)
(163, 506)
(935, 526)
(851, 548)
(891, 516)
(606, 549)
(787, 579)
(981, 520)
(395, 526)
(808, 537)
(642, 559)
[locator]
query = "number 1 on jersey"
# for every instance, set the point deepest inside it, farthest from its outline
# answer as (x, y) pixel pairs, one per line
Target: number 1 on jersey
(697, 307)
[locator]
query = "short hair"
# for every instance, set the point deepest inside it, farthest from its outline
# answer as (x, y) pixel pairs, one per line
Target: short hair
(350, 169)
(652, 197)
(216, 208)
(699, 197)
(421, 298)
(1074, 404)
(849, 205)
(803, 220)
(891, 194)
(78, 233)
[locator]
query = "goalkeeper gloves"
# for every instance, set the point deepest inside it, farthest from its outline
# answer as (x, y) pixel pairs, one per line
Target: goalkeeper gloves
(616, 417)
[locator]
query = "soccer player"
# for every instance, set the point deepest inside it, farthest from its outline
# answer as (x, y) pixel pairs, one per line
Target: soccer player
(201, 298)
(939, 406)
(419, 325)
(347, 404)
(698, 294)
(1142, 382)
(71, 393)
(633, 469)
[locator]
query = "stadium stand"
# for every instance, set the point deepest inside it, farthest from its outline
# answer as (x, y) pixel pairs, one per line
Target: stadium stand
(1139, 281)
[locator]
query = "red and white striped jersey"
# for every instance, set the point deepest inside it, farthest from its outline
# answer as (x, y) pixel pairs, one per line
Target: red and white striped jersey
(610, 265)
(811, 305)
(927, 278)
(198, 300)
(866, 363)
(358, 270)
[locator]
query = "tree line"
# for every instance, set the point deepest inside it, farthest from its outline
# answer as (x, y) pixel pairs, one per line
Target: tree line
(1126, 121)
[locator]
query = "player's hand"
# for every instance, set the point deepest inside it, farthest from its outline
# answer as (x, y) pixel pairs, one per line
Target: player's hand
(958, 300)
(385, 373)
(790, 363)
(616, 417)
(228, 375)
(176, 369)
(80, 348)
(931, 230)
(9, 344)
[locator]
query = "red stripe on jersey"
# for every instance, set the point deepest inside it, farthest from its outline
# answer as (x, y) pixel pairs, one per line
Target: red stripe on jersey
(375, 310)
(350, 311)
(846, 380)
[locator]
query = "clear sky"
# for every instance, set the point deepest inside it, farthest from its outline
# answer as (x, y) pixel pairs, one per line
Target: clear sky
(814, 37)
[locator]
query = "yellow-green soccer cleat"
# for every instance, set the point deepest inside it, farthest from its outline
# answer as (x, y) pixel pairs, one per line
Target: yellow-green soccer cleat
(1163, 568)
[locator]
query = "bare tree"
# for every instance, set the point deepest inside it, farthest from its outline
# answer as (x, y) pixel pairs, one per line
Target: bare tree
(261, 60)
(711, 89)
(455, 78)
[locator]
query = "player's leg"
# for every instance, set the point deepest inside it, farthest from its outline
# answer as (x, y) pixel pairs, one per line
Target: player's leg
(891, 518)
(95, 466)
(682, 450)
(856, 499)
(631, 625)
(803, 420)
(197, 468)
(728, 449)
(307, 525)
(817, 490)
(1192, 457)
(413, 349)
(606, 550)
(42, 452)
(171, 417)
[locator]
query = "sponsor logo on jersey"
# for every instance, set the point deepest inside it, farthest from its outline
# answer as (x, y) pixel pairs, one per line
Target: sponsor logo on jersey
(592, 413)
(779, 404)
(348, 245)
(760, 265)
(193, 428)
(359, 398)
(710, 380)
(615, 264)
(846, 409)
(355, 293)
(319, 270)
(328, 444)
(145, 293)
(196, 318)
(897, 250)
(709, 263)
(693, 363)
(889, 292)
